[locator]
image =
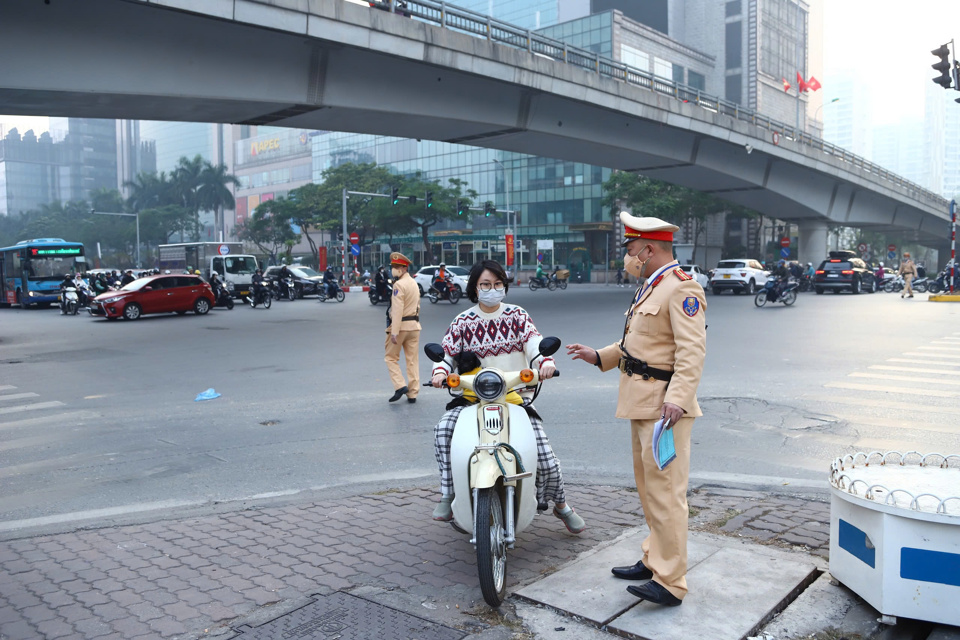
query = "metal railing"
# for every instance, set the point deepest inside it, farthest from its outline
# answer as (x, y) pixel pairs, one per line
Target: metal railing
(465, 21)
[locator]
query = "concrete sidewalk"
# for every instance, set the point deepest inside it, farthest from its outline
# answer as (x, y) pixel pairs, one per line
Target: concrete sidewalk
(227, 575)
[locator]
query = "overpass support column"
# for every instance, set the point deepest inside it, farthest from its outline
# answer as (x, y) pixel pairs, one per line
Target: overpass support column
(812, 241)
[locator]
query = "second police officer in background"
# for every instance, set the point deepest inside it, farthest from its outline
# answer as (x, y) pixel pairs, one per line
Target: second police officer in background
(403, 330)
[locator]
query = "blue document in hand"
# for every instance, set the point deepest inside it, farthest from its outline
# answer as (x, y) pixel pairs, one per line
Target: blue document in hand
(663, 450)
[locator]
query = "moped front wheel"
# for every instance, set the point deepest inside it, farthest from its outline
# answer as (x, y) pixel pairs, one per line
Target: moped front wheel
(761, 298)
(491, 547)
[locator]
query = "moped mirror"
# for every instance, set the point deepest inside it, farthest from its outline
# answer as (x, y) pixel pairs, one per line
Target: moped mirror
(549, 346)
(435, 351)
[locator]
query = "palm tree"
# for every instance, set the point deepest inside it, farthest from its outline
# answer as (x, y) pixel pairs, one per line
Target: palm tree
(214, 193)
(186, 182)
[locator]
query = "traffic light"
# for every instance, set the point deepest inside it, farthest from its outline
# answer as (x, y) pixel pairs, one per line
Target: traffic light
(340, 236)
(429, 199)
(412, 199)
(489, 209)
(462, 207)
(943, 66)
(395, 193)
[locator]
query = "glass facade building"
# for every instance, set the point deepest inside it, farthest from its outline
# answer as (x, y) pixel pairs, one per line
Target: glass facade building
(177, 140)
(31, 172)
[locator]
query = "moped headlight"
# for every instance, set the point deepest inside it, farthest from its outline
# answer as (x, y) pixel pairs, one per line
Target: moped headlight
(489, 385)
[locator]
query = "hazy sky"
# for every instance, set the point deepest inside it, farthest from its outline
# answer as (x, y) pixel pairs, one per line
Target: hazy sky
(887, 41)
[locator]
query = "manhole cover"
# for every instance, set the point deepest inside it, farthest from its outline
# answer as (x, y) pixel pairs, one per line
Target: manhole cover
(346, 617)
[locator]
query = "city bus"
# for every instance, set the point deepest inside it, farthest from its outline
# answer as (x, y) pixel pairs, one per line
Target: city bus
(31, 271)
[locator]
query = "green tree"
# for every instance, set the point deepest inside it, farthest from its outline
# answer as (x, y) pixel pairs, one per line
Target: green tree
(417, 216)
(213, 192)
(269, 226)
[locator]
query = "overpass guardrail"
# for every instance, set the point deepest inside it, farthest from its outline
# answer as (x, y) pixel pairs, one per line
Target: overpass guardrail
(476, 24)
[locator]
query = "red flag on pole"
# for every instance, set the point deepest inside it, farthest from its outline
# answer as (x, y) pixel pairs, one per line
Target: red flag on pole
(801, 85)
(786, 85)
(813, 84)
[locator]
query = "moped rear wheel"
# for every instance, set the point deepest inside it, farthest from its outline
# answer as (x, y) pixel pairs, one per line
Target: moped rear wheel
(455, 294)
(491, 547)
(789, 297)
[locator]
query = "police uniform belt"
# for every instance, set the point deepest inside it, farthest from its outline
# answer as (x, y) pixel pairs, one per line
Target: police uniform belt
(409, 318)
(631, 366)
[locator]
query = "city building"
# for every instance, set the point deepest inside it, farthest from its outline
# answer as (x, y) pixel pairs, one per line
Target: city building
(941, 139)
(269, 165)
(31, 172)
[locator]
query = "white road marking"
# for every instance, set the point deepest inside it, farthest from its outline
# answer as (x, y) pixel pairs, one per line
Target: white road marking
(18, 396)
(929, 363)
(950, 346)
(72, 418)
(938, 372)
(940, 348)
(882, 376)
(886, 404)
(14, 525)
(931, 355)
(6, 387)
(899, 390)
(31, 407)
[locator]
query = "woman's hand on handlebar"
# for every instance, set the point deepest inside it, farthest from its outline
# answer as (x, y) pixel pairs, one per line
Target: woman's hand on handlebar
(438, 380)
(547, 369)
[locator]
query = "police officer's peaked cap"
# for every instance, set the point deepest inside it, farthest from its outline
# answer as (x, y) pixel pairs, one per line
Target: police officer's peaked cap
(397, 258)
(647, 228)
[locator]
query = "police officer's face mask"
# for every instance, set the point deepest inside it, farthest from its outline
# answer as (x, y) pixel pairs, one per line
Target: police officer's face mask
(633, 265)
(396, 272)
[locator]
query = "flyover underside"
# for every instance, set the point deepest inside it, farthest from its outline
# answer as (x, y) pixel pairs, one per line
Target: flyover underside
(116, 59)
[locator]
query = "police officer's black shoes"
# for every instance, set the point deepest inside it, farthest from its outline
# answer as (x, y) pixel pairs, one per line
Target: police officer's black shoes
(399, 393)
(655, 593)
(634, 572)
(411, 400)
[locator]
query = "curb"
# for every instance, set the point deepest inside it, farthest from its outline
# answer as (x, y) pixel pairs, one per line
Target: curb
(356, 289)
(945, 298)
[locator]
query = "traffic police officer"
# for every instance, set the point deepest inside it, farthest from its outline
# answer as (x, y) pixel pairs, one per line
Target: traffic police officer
(909, 271)
(403, 329)
(661, 359)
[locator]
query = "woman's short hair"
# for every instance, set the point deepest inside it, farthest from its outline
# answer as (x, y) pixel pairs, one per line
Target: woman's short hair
(477, 270)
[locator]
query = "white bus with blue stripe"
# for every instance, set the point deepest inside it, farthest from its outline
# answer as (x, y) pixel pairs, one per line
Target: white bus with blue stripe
(31, 271)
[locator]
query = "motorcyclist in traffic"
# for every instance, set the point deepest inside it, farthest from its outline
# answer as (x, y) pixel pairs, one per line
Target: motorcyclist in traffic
(810, 271)
(258, 283)
(440, 280)
(516, 342)
(380, 282)
(330, 282)
(64, 285)
(540, 274)
(282, 279)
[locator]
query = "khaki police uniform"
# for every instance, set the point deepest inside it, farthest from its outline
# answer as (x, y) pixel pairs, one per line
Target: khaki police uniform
(909, 271)
(405, 325)
(665, 330)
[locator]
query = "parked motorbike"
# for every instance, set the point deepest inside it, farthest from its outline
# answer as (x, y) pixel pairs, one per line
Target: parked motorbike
(262, 295)
(337, 293)
(492, 448)
(545, 282)
(942, 282)
(70, 301)
(452, 293)
(771, 292)
(897, 284)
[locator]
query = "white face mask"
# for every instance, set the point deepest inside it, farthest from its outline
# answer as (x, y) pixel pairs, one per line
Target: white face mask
(490, 298)
(396, 272)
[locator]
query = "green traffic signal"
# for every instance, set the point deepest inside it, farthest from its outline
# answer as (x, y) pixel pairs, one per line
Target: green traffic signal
(429, 199)
(395, 192)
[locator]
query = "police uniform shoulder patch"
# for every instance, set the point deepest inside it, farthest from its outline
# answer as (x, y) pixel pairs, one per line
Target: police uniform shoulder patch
(691, 306)
(396, 291)
(683, 275)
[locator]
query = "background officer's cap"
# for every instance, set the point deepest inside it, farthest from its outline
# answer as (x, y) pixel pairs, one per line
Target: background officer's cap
(397, 258)
(647, 228)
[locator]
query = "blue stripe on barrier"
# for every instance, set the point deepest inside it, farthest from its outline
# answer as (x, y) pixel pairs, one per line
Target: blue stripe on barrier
(930, 566)
(854, 540)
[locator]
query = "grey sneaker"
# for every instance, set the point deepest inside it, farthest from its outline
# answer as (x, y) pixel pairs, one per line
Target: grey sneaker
(443, 512)
(573, 522)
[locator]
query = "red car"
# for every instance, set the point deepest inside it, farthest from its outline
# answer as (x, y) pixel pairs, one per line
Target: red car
(155, 294)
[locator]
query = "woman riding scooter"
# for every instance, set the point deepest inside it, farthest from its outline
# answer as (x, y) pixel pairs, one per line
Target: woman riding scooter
(515, 343)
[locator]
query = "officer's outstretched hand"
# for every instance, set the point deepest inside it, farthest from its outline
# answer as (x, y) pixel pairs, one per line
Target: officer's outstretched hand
(582, 352)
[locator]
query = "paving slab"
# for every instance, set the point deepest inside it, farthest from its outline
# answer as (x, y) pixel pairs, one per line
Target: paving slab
(747, 584)
(587, 589)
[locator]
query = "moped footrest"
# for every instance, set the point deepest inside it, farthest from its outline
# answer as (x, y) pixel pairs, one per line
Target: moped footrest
(519, 476)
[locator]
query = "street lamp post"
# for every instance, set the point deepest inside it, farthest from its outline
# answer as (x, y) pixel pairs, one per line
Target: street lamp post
(510, 212)
(130, 215)
(817, 112)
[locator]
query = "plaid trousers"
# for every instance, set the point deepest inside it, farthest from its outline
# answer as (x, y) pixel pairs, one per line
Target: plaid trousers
(549, 478)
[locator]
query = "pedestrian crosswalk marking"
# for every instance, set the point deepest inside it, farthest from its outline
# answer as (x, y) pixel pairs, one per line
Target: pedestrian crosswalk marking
(939, 372)
(882, 376)
(897, 390)
(929, 363)
(18, 396)
(931, 355)
(71, 418)
(940, 348)
(31, 407)
(6, 387)
(885, 404)
(950, 346)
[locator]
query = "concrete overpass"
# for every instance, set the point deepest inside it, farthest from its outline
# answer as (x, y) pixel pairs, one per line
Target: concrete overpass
(443, 74)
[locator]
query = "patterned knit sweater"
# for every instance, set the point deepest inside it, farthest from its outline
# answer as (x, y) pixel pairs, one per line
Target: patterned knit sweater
(506, 339)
